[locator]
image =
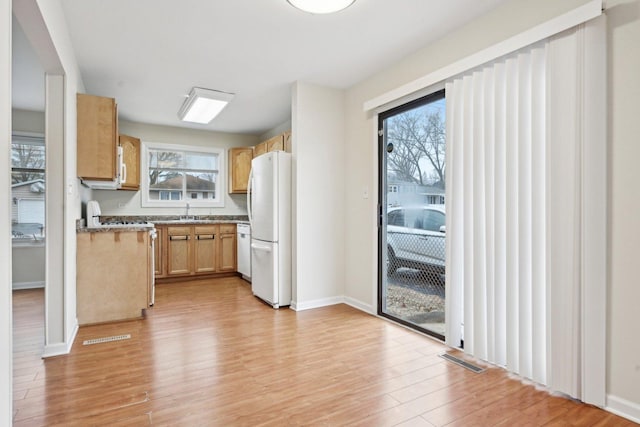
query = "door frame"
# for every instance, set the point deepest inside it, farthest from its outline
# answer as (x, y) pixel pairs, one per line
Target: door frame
(382, 202)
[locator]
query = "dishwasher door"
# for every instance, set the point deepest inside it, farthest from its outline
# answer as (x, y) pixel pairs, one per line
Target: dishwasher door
(244, 251)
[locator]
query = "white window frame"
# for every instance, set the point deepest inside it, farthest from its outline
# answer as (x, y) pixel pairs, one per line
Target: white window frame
(221, 182)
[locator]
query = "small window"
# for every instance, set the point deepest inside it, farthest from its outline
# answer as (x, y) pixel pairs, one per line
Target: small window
(177, 174)
(27, 187)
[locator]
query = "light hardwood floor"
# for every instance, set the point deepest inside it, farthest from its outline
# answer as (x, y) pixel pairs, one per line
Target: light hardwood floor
(210, 354)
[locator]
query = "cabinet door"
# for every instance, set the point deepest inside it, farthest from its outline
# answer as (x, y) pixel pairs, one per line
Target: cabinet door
(275, 143)
(97, 133)
(205, 248)
(227, 251)
(159, 256)
(239, 168)
(131, 158)
(260, 149)
(287, 141)
(178, 251)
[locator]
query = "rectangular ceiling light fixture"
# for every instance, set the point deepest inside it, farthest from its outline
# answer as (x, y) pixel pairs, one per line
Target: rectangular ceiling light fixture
(202, 105)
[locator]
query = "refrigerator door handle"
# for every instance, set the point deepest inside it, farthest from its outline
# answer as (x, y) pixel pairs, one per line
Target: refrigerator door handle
(260, 247)
(249, 197)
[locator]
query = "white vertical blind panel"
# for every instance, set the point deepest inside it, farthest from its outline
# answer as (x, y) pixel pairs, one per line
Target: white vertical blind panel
(524, 212)
(467, 214)
(538, 221)
(511, 214)
(594, 285)
(454, 276)
(489, 220)
(564, 212)
(520, 227)
(500, 216)
(478, 244)
(499, 177)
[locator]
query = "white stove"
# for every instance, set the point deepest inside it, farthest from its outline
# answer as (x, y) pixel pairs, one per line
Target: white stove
(93, 219)
(125, 224)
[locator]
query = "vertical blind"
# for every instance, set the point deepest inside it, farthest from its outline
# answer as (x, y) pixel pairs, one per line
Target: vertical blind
(519, 161)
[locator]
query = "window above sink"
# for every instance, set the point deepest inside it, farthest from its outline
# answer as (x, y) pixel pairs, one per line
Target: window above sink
(177, 175)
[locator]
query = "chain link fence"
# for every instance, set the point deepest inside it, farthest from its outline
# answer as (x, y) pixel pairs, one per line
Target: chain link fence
(415, 290)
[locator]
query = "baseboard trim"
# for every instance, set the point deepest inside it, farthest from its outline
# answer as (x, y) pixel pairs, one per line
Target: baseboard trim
(624, 408)
(367, 308)
(17, 286)
(62, 348)
(323, 302)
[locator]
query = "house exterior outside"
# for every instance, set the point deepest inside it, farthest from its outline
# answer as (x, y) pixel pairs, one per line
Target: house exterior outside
(27, 209)
(410, 194)
(171, 189)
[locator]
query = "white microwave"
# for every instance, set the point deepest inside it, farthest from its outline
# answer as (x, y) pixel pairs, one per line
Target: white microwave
(121, 175)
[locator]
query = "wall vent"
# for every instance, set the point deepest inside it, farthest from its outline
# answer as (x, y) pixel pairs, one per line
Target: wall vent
(463, 363)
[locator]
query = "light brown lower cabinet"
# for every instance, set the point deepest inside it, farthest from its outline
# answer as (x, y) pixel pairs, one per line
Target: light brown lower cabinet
(113, 275)
(206, 246)
(179, 251)
(158, 253)
(227, 253)
(195, 250)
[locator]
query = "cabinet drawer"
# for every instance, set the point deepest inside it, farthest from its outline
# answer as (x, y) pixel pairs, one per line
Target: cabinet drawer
(205, 229)
(178, 231)
(227, 228)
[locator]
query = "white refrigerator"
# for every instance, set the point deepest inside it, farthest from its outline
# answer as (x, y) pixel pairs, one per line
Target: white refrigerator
(269, 208)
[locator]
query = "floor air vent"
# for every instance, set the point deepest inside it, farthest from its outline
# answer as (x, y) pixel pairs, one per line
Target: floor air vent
(106, 339)
(463, 363)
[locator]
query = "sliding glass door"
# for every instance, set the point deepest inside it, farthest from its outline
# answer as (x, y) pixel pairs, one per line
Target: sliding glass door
(411, 284)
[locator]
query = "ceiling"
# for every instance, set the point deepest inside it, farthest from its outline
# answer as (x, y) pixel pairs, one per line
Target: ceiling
(149, 53)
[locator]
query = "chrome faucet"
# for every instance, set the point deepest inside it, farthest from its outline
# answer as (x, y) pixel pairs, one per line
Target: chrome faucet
(187, 217)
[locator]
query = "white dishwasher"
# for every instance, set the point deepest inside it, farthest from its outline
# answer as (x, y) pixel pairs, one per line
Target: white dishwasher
(244, 251)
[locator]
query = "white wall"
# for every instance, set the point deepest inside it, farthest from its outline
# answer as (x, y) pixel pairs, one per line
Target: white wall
(624, 205)
(129, 202)
(6, 355)
(27, 121)
(44, 25)
(277, 130)
(27, 265)
(319, 188)
(624, 92)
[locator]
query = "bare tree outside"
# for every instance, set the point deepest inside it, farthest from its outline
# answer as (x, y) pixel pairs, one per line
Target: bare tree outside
(418, 138)
(27, 161)
(158, 174)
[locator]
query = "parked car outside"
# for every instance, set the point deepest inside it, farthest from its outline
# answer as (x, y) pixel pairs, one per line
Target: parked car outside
(416, 238)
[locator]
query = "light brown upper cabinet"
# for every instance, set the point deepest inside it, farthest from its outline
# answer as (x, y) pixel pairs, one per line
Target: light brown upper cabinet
(275, 143)
(260, 149)
(287, 141)
(97, 137)
(239, 168)
(131, 158)
(279, 142)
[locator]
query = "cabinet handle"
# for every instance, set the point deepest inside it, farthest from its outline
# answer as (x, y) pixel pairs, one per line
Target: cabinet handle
(178, 237)
(205, 236)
